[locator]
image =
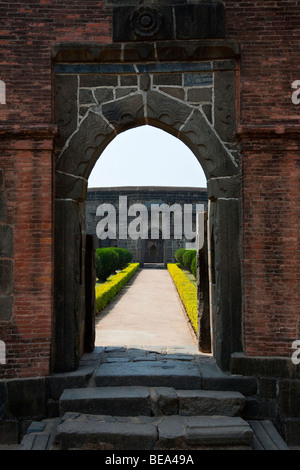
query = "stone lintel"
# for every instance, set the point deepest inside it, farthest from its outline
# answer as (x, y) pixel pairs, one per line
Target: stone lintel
(171, 51)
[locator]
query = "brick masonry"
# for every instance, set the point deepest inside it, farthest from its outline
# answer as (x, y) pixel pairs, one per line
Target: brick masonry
(268, 35)
(268, 130)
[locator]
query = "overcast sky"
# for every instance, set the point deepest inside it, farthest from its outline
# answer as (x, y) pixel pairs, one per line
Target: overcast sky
(147, 156)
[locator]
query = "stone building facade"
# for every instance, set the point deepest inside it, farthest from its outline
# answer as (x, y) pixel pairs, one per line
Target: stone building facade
(161, 247)
(220, 76)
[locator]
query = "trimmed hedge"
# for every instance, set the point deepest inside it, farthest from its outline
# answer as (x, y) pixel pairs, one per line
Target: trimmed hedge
(125, 257)
(187, 292)
(178, 255)
(187, 259)
(109, 260)
(107, 291)
(194, 267)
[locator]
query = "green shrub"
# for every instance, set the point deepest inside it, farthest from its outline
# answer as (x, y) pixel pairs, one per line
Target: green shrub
(107, 260)
(187, 259)
(125, 257)
(194, 267)
(178, 255)
(109, 289)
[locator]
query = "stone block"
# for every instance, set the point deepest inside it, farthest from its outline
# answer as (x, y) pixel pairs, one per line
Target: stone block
(197, 21)
(26, 398)
(128, 80)
(86, 97)
(171, 431)
(258, 408)
(166, 110)
(224, 187)
(84, 146)
(218, 431)
(215, 379)
(142, 23)
(6, 241)
(115, 401)
(167, 79)
(57, 383)
(176, 374)
(262, 366)
(103, 94)
(208, 402)
(3, 409)
(104, 433)
(198, 79)
(228, 282)
(208, 149)
(177, 92)
(68, 298)
(291, 431)
(266, 436)
(6, 277)
(98, 80)
(225, 105)
(164, 401)
(65, 106)
(3, 206)
(70, 187)
(289, 398)
(120, 92)
(9, 432)
(124, 112)
(6, 307)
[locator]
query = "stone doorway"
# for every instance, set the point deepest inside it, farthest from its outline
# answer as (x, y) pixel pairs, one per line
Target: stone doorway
(193, 100)
(153, 251)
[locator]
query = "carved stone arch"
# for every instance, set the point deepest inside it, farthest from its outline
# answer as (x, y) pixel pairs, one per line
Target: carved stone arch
(95, 131)
(99, 127)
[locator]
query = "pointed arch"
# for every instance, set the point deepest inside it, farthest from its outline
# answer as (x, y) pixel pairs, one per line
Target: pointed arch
(97, 129)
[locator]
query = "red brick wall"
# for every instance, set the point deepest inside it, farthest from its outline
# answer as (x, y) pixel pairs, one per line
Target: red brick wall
(271, 190)
(269, 35)
(29, 182)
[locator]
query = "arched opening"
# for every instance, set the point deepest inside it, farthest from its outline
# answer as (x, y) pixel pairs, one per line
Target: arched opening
(148, 167)
(96, 129)
(147, 156)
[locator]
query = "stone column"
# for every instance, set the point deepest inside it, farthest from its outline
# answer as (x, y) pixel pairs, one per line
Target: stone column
(69, 285)
(90, 280)
(204, 338)
(226, 303)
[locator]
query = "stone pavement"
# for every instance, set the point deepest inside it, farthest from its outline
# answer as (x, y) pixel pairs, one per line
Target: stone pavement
(147, 313)
(131, 398)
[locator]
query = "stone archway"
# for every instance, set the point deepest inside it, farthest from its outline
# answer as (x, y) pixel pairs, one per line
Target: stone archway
(82, 144)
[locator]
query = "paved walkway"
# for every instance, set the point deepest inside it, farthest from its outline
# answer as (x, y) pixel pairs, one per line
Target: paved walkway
(147, 313)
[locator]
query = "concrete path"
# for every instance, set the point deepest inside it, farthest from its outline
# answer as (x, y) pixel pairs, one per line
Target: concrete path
(147, 313)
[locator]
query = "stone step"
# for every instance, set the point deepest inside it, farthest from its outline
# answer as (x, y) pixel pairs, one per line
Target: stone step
(96, 432)
(177, 374)
(150, 401)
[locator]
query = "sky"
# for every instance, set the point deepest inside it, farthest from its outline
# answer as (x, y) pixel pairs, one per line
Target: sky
(147, 156)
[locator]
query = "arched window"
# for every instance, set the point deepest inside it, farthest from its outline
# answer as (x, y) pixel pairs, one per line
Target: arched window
(2, 92)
